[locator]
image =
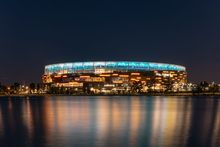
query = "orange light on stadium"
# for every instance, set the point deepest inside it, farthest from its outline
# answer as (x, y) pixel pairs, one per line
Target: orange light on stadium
(124, 76)
(117, 82)
(135, 74)
(114, 74)
(84, 77)
(104, 75)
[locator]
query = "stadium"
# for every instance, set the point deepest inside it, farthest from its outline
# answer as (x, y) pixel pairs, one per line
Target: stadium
(115, 77)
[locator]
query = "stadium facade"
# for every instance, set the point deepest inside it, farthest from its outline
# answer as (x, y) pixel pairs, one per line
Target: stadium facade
(115, 77)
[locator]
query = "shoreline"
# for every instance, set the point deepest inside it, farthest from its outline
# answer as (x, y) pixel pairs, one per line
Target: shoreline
(145, 94)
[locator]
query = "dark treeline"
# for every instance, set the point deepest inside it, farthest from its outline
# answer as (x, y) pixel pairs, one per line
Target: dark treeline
(17, 88)
(135, 88)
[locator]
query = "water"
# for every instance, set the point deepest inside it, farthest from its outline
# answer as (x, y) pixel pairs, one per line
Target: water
(110, 121)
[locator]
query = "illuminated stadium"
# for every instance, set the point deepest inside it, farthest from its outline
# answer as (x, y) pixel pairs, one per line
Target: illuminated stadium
(115, 77)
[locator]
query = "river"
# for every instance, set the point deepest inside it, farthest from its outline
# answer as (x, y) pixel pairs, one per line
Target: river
(138, 121)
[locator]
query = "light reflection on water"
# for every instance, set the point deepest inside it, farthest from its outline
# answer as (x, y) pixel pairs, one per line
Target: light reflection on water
(110, 121)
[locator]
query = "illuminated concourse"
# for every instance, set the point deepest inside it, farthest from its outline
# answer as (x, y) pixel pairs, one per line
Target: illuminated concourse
(115, 77)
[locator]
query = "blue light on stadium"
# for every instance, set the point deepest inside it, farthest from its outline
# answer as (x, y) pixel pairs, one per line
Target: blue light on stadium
(75, 67)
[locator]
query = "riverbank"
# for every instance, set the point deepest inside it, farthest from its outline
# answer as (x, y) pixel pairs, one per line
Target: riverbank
(145, 94)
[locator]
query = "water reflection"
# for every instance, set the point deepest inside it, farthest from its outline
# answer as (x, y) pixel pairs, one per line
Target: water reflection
(109, 121)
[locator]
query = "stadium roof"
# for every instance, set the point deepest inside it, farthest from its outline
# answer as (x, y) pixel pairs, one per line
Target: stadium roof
(75, 67)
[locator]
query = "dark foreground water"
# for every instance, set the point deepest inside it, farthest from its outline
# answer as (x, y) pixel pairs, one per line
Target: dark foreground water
(110, 121)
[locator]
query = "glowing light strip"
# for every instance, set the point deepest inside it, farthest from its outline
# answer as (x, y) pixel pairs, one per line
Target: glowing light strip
(118, 65)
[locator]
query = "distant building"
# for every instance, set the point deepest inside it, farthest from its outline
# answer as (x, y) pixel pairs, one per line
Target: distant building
(115, 76)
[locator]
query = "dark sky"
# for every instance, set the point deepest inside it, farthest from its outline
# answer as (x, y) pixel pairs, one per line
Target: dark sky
(36, 33)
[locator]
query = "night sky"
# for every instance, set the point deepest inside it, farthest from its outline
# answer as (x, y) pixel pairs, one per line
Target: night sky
(36, 33)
